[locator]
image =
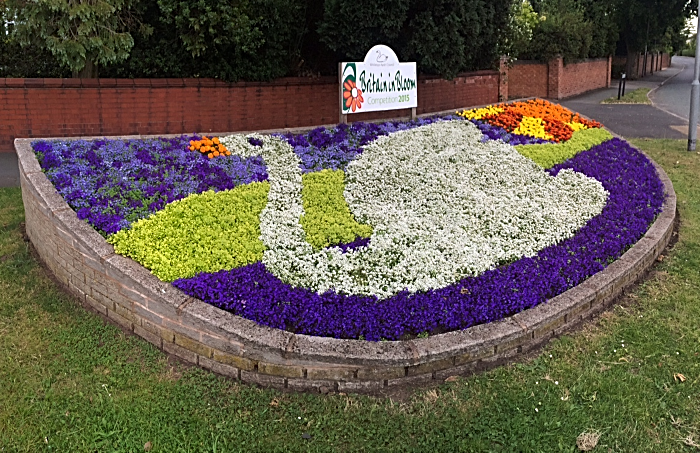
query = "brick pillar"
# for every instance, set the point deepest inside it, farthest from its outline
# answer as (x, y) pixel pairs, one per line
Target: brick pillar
(503, 69)
(555, 71)
(609, 71)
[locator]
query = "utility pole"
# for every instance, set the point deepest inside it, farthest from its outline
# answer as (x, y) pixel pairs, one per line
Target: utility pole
(695, 94)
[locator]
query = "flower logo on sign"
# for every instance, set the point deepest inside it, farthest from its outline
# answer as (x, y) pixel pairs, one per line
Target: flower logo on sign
(352, 95)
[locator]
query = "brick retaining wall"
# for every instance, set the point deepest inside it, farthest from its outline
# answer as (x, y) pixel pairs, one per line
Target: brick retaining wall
(132, 297)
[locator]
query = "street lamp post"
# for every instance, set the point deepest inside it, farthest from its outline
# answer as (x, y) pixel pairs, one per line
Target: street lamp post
(695, 94)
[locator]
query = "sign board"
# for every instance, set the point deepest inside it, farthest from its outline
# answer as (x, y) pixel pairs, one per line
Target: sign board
(378, 83)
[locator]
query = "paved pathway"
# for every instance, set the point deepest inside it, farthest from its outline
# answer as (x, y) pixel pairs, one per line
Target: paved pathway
(9, 172)
(640, 121)
(667, 118)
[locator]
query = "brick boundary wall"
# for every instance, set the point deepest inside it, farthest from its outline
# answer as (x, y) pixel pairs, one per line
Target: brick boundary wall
(577, 78)
(130, 296)
(78, 107)
(655, 61)
(528, 79)
(555, 80)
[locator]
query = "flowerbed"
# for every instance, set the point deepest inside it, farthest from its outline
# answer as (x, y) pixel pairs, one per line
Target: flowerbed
(370, 231)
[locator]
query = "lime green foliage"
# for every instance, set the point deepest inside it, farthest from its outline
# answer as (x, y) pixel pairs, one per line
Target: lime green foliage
(204, 232)
(549, 155)
(327, 219)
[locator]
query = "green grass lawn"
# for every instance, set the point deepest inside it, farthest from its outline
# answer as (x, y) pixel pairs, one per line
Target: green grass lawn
(638, 96)
(71, 383)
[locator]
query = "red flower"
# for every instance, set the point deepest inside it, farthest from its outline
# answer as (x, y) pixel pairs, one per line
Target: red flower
(352, 95)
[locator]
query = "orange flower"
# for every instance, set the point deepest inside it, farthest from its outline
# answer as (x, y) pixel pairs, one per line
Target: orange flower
(554, 117)
(352, 95)
(209, 147)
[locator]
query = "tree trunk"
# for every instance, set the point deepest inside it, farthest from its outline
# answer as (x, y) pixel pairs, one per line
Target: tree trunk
(632, 69)
(89, 71)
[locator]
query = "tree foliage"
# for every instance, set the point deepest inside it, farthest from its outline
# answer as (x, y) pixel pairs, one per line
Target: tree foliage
(604, 28)
(251, 40)
(522, 20)
(266, 39)
(574, 29)
(444, 37)
(18, 62)
(80, 34)
(644, 23)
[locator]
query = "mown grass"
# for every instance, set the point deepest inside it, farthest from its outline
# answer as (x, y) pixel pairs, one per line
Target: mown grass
(638, 96)
(71, 383)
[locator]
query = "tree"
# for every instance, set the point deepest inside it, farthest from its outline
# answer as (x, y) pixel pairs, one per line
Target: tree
(247, 39)
(604, 29)
(80, 34)
(443, 36)
(351, 28)
(523, 19)
(29, 62)
(644, 23)
(563, 30)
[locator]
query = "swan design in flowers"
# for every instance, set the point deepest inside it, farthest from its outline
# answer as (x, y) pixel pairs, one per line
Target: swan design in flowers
(443, 205)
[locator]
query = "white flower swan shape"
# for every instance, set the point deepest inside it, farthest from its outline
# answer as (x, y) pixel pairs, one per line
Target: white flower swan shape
(443, 206)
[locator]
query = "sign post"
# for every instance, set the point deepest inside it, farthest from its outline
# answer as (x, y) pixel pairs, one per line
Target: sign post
(695, 95)
(379, 83)
(343, 116)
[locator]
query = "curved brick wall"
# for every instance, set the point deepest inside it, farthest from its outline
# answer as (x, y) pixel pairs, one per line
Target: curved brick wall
(198, 333)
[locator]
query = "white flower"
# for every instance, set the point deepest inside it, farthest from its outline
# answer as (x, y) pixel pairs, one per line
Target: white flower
(443, 206)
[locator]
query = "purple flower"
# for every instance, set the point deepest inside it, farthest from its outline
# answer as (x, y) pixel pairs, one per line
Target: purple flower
(112, 183)
(255, 141)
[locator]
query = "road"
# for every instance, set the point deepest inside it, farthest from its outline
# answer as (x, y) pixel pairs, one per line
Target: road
(665, 119)
(674, 95)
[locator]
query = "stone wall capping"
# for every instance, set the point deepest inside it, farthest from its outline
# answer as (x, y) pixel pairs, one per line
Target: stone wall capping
(129, 273)
(28, 163)
(85, 237)
(48, 196)
(130, 296)
(355, 352)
